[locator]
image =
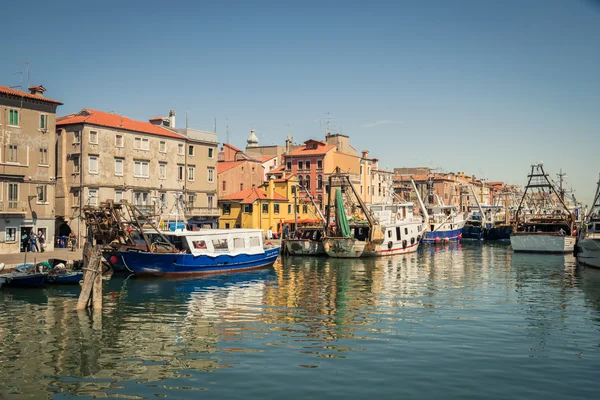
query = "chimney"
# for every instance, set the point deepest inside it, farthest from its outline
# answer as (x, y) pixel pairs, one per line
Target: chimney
(37, 90)
(171, 118)
(271, 187)
(365, 153)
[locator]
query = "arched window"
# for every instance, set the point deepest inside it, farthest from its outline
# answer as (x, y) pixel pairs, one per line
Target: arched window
(307, 182)
(320, 182)
(300, 183)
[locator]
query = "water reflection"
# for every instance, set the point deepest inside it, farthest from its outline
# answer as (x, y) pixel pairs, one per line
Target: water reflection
(441, 307)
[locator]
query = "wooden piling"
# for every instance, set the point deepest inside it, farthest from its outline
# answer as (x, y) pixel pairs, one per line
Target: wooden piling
(91, 291)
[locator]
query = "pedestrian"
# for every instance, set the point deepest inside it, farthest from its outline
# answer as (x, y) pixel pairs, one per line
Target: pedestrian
(25, 241)
(72, 240)
(41, 240)
(286, 231)
(33, 247)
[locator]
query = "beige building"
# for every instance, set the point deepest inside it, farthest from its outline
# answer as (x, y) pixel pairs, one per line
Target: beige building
(27, 176)
(376, 185)
(237, 171)
(107, 156)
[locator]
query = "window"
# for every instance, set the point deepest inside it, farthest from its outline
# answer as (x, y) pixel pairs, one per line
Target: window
(119, 141)
(93, 137)
(13, 153)
(276, 208)
(162, 170)
(93, 165)
(297, 209)
(76, 164)
(241, 187)
(289, 208)
(224, 186)
(220, 244)
(265, 208)
(300, 165)
(163, 200)
(191, 200)
(77, 137)
(93, 197)
(43, 121)
(118, 196)
(254, 241)
(180, 149)
(398, 236)
(248, 208)
(191, 170)
(13, 195)
(141, 144)
(305, 209)
(307, 182)
(190, 150)
(162, 146)
(227, 226)
(238, 243)
(11, 235)
(361, 169)
(140, 198)
(210, 152)
(211, 174)
(209, 201)
(300, 181)
(141, 169)
(307, 164)
(43, 156)
(13, 118)
(42, 194)
(180, 172)
(406, 231)
(119, 166)
(226, 208)
(288, 165)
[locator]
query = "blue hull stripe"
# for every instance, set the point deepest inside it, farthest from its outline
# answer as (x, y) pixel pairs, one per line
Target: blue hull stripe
(143, 263)
(430, 237)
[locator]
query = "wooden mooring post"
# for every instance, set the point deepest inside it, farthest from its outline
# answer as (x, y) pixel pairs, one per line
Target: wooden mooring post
(91, 291)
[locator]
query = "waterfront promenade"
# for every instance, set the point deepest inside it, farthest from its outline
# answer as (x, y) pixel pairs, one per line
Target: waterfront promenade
(19, 258)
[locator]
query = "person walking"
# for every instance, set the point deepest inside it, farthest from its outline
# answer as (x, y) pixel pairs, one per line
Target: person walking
(41, 240)
(72, 240)
(25, 241)
(33, 247)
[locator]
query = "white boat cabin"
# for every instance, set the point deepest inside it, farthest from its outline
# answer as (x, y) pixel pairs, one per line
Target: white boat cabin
(213, 242)
(391, 214)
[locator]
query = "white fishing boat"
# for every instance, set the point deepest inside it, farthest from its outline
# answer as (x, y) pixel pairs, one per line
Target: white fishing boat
(588, 242)
(548, 226)
(305, 240)
(371, 231)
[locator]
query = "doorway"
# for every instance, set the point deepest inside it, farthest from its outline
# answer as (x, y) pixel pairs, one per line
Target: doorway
(25, 231)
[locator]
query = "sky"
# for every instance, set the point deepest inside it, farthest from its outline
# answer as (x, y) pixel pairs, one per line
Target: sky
(478, 86)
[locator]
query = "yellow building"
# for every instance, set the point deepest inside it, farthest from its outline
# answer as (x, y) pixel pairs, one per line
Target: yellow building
(270, 206)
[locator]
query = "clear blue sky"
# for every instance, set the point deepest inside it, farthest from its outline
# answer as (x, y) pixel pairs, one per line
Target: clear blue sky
(485, 87)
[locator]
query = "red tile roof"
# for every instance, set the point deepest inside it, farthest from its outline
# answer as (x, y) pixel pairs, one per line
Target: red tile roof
(252, 194)
(267, 158)
(101, 118)
(20, 93)
(231, 147)
(223, 166)
(303, 151)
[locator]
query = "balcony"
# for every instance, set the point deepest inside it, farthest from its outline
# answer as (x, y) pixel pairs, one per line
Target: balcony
(13, 207)
(202, 211)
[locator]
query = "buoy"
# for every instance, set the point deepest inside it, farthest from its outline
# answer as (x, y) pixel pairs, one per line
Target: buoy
(437, 240)
(446, 240)
(460, 235)
(113, 259)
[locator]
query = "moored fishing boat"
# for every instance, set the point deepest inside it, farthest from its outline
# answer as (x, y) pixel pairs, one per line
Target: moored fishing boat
(547, 227)
(587, 249)
(305, 239)
(24, 279)
(373, 231)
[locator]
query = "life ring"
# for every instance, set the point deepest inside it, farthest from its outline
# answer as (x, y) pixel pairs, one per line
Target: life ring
(390, 245)
(404, 244)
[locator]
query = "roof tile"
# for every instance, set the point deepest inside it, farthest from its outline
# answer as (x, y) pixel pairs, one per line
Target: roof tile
(20, 93)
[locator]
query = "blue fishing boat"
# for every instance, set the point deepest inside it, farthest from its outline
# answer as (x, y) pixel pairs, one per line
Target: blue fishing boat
(444, 224)
(24, 279)
(183, 253)
(65, 277)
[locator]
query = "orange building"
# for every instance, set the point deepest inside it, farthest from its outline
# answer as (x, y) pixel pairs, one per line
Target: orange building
(236, 171)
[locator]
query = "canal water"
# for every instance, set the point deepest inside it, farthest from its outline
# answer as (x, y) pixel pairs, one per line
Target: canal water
(464, 321)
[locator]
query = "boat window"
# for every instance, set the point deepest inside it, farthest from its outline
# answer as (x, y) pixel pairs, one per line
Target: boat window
(220, 244)
(389, 234)
(199, 244)
(406, 231)
(398, 237)
(375, 208)
(238, 243)
(254, 241)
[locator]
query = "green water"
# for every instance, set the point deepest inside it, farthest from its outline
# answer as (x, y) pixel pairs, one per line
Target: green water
(460, 321)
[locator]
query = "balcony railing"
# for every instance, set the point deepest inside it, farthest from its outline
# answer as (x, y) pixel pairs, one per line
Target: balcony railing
(13, 206)
(202, 211)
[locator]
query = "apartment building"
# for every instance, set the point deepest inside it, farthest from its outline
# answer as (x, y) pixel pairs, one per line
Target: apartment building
(237, 171)
(105, 156)
(27, 156)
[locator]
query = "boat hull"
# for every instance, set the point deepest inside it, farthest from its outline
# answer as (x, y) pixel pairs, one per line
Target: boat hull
(502, 232)
(182, 264)
(304, 247)
(442, 236)
(66, 279)
(473, 232)
(354, 248)
(588, 252)
(542, 243)
(24, 280)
